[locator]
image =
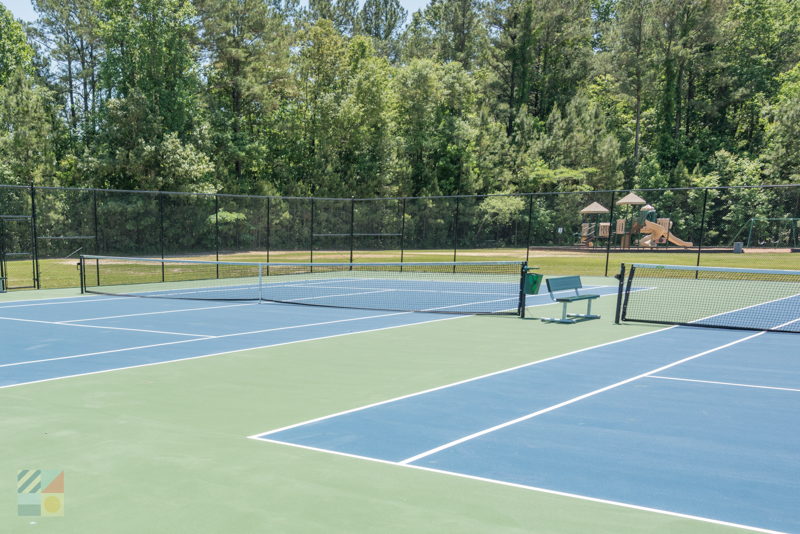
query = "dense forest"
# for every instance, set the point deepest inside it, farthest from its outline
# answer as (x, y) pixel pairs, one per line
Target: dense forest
(343, 98)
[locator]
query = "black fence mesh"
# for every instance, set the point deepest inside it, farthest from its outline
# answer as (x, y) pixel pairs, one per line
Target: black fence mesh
(378, 229)
(129, 223)
(291, 229)
(243, 227)
(17, 238)
(332, 232)
(43, 230)
(189, 224)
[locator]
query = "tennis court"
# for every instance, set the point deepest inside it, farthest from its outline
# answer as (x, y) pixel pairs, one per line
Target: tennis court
(147, 403)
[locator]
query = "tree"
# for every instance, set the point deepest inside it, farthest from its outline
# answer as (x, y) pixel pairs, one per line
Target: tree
(782, 155)
(14, 50)
(436, 128)
(579, 139)
(26, 144)
(539, 54)
(150, 83)
(685, 34)
(761, 39)
(629, 50)
(449, 30)
(70, 29)
(247, 45)
(382, 20)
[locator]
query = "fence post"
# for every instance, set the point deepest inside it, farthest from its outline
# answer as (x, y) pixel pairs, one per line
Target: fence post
(455, 232)
(311, 242)
(702, 229)
(530, 228)
(161, 221)
(3, 253)
(610, 222)
(352, 229)
(35, 239)
(402, 232)
(96, 236)
(269, 228)
(216, 229)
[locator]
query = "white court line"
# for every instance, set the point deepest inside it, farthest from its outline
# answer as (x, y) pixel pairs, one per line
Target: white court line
(405, 290)
(754, 386)
(199, 336)
(527, 487)
(126, 349)
(340, 295)
(227, 351)
(454, 384)
(207, 338)
(156, 313)
(80, 301)
(570, 401)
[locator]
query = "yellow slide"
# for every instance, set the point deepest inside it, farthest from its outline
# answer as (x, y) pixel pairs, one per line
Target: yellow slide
(656, 232)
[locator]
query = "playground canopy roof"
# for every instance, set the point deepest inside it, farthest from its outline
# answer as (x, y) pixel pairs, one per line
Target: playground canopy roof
(632, 199)
(594, 208)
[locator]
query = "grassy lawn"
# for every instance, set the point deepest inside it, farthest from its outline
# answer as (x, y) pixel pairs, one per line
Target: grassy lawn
(59, 273)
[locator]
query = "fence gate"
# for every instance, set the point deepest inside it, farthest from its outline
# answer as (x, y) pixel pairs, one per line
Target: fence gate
(18, 252)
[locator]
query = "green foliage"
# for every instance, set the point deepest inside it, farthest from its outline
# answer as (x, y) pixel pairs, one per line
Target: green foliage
(14, 50)
(27, 154)
(472, 96)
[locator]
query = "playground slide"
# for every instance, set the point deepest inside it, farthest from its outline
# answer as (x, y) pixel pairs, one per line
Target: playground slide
(680, 242)
(657, 232)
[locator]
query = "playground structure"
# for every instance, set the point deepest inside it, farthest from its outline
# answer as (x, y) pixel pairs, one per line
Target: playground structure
(659, 233)
(654, 231)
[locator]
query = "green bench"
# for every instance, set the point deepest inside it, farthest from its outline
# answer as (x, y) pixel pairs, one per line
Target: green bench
(2, 285)
(569, 283)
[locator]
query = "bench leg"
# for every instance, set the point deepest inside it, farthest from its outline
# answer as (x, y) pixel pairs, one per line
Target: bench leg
(588, 314)
(565, 317)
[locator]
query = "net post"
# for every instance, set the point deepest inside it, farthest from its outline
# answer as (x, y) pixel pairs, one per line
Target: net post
(620, 290)
(627, 294)
(521, 303)
(81, 271)
(260, 282)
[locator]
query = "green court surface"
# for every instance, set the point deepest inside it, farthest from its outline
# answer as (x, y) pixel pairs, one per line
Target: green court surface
(164, 448)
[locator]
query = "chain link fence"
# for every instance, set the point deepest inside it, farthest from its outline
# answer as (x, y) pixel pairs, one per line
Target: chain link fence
(43, 230)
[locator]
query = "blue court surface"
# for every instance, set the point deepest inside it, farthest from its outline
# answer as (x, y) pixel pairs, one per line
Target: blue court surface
(50, 339)
(688, 421)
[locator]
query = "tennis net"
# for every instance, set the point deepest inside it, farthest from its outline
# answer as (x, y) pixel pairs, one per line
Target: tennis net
(718, 297)
(446, 287)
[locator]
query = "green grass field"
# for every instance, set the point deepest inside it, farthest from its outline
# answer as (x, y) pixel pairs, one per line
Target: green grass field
(164, 448)
(61, 273)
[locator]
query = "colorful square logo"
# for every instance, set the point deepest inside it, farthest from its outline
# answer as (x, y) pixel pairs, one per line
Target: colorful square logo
(40, 492)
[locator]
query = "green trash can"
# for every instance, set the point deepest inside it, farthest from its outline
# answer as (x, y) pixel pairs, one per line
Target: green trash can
(532, 283)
